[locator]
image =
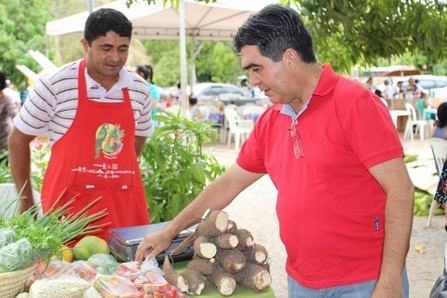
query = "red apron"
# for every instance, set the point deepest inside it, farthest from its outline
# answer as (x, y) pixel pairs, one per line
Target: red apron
(96, 158)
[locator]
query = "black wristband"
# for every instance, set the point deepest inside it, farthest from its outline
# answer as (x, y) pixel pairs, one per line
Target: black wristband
(445, 227)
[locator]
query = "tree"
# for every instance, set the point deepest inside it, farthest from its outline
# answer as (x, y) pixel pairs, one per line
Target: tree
(349, 32)
(22, 27)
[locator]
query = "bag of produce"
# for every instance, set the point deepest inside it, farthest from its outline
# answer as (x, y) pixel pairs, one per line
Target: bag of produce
(104, 263)
(116, 286)
(7, 236)
(65, 286)
(17, 256)
(81, 269)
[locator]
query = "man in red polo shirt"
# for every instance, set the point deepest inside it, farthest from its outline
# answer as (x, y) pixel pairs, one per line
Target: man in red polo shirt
(345, 199)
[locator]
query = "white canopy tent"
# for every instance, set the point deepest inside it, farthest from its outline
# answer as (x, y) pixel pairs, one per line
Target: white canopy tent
(213, 21)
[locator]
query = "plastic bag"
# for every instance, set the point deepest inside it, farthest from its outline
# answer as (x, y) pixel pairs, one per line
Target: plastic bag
(131, 270)
(59, 287)
(7, 236)
(104, 263)
(148, 278)
(81, 269)
(154, 284)
(439, 289)
(17, 256)
(117, 286)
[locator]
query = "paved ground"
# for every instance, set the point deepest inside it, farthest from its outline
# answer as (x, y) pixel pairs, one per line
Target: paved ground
(254, 209)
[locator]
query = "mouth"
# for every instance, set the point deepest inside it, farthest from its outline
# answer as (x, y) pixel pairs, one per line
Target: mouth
(113, 66)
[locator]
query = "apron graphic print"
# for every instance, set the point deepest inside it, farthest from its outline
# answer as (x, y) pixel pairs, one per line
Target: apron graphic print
(108, 140)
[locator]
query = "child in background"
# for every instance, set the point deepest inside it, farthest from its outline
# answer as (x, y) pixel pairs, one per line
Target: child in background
(440, 130)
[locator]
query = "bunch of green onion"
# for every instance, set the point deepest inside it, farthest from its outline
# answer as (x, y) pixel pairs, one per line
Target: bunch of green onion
(55, 228)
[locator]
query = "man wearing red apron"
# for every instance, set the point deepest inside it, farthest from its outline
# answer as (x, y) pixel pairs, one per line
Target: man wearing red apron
(96, 158)
(97, 116)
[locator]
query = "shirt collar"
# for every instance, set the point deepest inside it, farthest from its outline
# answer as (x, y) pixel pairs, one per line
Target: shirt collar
(123, 81)
(326, 83)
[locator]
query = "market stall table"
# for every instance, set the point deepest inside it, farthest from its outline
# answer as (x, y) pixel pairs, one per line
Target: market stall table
(398, 113)
(241, 291)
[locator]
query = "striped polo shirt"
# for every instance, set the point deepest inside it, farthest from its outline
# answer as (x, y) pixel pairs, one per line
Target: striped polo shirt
(51, 106)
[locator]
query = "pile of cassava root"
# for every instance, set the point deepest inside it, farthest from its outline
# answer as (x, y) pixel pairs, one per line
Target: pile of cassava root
(224, 255)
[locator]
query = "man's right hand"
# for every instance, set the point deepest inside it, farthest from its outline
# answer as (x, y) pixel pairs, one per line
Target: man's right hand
(153, 244)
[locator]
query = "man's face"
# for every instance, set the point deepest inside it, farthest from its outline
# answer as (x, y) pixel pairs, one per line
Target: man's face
(106, 56)
(269, 76)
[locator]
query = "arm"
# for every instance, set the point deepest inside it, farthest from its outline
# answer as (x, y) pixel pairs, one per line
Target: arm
(154, 103)
(20, 164)
(139, 144)
(393, 177)
(197, 114)
(220, 193)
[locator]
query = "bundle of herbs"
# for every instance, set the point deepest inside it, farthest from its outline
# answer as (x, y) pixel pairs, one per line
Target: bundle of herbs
(55, 228)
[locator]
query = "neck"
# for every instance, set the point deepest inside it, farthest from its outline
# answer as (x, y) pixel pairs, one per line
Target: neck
(310, 78)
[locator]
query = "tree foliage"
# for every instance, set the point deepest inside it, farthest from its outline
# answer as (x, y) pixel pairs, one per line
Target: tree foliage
(345, 32)
(22, 27)
(348, 32)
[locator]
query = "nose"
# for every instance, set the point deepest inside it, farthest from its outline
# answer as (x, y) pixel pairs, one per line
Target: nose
(114, 55)
(254, 79)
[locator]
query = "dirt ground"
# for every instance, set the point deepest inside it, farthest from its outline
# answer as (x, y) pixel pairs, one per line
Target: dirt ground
(254, 209)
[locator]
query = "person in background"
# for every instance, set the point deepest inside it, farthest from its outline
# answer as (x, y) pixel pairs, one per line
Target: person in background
(440, 132)
(413, 90)
(147, 73)
(97, 115)
(370, 84)
(440, 129)
(424, 103)
(194, 108)
(399, 86)
(12, 93)
(380, 95)
(8, 110)
(419, 87)
(390, 90)
(345, 198)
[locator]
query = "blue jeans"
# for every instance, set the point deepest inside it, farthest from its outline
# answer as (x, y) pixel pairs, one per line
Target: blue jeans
(361, 290)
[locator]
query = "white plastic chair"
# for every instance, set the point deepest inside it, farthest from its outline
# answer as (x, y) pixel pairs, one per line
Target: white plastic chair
(252, 112)
(439, 150)
(237, 127)
(204, 113)
(414, 122)
(9, 203)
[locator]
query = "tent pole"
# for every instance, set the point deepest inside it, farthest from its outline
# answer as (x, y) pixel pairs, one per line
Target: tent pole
(183, 69)
(90, 6)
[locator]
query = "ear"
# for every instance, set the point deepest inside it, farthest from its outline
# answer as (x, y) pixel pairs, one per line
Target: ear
(291, 58)
(84, 43)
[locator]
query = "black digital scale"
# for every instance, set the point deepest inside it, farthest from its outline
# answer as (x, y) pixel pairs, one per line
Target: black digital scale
(123, 242)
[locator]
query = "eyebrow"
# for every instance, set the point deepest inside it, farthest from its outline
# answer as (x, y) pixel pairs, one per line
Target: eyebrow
(112, 46)
(250, 65)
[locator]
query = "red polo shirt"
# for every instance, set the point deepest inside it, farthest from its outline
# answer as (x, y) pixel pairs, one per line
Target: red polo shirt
(330, 208)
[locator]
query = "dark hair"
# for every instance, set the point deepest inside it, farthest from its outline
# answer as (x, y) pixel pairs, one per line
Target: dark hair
(146, 70)
(274, 29)
(104, 20)
(442, 115)
(192, 100)
(2, 80)
(378, 93)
